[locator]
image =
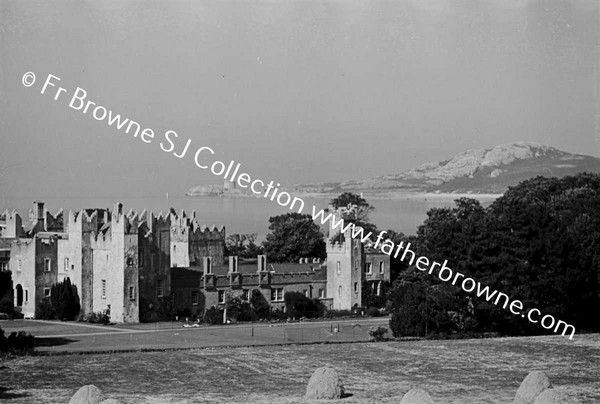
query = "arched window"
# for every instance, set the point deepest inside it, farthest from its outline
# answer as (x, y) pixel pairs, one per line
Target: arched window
(19, 294)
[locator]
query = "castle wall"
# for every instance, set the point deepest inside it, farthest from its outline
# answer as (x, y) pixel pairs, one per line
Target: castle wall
(46, 249)
(23, 273)
(13, 225)
(344, 273)
(206, 242)
(180, 247)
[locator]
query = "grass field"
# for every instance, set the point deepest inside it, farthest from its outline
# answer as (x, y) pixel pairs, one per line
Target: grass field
(453, 371)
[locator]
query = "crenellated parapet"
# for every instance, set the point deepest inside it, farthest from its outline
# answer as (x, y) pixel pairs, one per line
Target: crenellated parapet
(202, 232)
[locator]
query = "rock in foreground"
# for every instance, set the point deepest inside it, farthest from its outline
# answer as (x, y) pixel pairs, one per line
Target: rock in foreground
(551, 396)
(416, 396)
(325, 384)
(531, 387)
(89, 394)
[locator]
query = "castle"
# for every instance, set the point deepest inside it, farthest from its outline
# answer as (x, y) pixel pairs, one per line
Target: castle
(142, 266)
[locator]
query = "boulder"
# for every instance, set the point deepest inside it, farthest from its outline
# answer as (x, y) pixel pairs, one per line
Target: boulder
(325, 384)
(551, 396)
(89, 394)
(416, 396)
(531, 387)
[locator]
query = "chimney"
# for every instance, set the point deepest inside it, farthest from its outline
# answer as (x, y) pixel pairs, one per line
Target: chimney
(207, 265)
(39, 214)
(233, 264)
(262, 263)
(118, 209)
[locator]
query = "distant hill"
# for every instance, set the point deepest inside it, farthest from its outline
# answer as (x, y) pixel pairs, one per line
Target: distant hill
(476, 171)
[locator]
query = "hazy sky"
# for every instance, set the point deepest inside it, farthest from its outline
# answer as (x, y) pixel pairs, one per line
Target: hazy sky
(296, 91)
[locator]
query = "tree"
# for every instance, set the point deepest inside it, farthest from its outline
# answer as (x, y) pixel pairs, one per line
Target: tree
(355, 209)
(370, 299)
(6, 293)
(298, 305)
(259, 304)
(240, 310)
(242, 245)
(396, 264)
(538, 243)
(422, 308)
(65, 300)
(358, 207)
(293, 236)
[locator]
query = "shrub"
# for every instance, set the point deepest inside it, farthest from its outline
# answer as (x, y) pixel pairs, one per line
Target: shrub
(259, 304)
(185, 313)
(377, 333)
(16, 343)
(338, 313)
(6, 305)
(239, 310)
(45, 311)
(298, 305)
(65, 300)
(98, 317)
(213, 316)
(373, 312)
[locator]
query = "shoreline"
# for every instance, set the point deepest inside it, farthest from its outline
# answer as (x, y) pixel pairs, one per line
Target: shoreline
(404, 195)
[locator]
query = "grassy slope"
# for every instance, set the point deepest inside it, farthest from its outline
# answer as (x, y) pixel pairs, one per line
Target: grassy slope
(465, 371)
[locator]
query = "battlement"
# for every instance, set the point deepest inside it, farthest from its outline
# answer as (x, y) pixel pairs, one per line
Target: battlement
(202, 231)
(11, 215)
(335, 247)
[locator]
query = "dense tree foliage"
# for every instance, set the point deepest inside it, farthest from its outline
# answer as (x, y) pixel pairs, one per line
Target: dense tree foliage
(357, 211)
(370, 298)
(539, 243)
(65, 300)
(6, 293)
(298, 305)
(242, 245)
(293, 236)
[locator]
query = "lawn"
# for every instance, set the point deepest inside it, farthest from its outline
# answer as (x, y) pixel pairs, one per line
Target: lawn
(453, 371)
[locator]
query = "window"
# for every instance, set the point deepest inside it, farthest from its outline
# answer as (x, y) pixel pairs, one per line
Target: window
(277, 294)
(160, 288)
(195, 297)
(355, 287)
(221, 296)
(140, 257)
(305, 291)
(19, 265)
(3, 266)
(103, 288)
(66, 264)
(322, 293)
(246, 295)
(369, 267)
(46, 292)
(131, 293)
(381, 267)
(26, 295)
(340, 291)
(339, 267)
(47, 265)
(378, 288)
